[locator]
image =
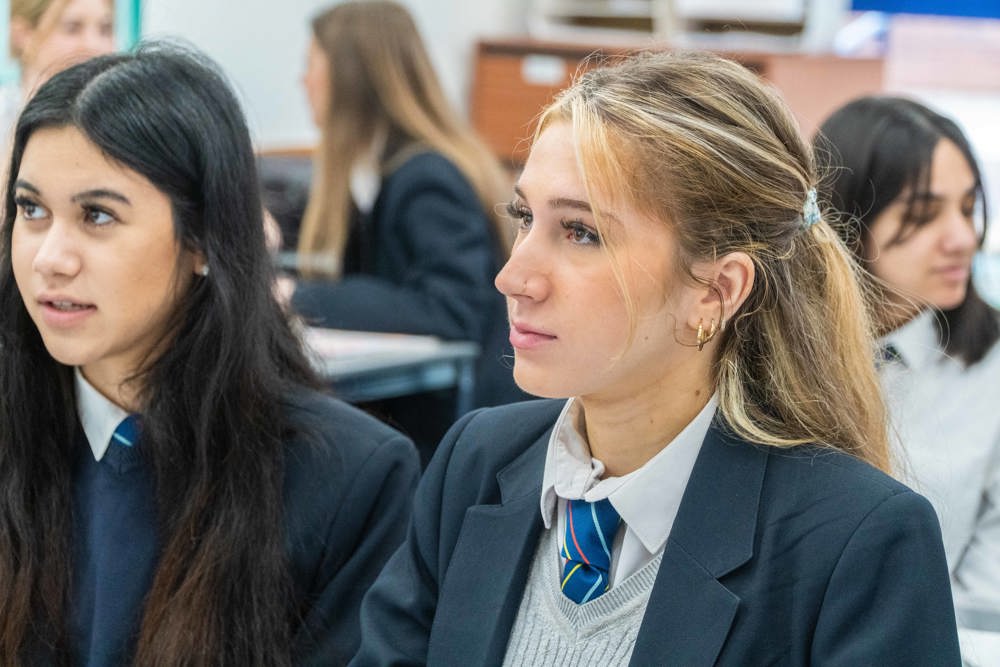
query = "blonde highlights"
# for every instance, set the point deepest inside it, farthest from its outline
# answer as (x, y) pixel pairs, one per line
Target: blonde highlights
(382, 81)
(702, 144)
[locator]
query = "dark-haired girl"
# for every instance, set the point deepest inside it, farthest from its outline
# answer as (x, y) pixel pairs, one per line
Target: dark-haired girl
(907, 181)
(175, 492)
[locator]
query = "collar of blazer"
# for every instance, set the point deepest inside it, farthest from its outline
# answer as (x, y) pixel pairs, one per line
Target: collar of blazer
(689, 612)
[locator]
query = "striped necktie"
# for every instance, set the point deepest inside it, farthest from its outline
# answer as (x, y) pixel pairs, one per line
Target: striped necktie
(127, 432)
(590, 532)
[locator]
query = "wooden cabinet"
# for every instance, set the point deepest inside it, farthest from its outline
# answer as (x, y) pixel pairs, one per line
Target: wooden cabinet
(514, 78)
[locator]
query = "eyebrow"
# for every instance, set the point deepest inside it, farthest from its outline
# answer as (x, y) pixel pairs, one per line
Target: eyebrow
(100, 193)
(928, 196)
(570, 203)
(97, 193)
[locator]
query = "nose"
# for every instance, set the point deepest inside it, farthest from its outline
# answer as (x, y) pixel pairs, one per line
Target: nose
(56, 255)
(522, 275)
(960, 235)
(96, 43)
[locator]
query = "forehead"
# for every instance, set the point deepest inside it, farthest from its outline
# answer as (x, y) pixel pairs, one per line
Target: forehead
(62, 160)
(553, 178)
(950, 170)
(552, 163)
(78, 9)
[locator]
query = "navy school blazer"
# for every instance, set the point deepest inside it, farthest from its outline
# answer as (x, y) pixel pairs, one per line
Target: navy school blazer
(423, 262)
(777, 557)
(348, 485)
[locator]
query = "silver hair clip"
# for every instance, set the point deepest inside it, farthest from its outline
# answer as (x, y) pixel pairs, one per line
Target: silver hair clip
(810, 210)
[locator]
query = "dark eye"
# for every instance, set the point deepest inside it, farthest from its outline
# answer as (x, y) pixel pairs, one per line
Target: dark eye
(29, 209)
(520, 213)
(580, 233)
(72, 27)
(97, 217)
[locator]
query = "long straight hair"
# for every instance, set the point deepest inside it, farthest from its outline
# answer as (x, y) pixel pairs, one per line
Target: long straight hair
(382, 81)
(214, 402)
(873, 151)
(700, 143)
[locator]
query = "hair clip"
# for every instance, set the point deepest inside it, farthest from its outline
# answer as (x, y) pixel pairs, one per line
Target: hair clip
(810, 210)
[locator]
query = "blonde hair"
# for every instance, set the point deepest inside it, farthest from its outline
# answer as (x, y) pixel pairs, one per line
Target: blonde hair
(382, 80)
(699, 142)
(33, 11)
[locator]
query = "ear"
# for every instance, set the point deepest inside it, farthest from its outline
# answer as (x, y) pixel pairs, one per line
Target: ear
(199, 263)
(729, 281)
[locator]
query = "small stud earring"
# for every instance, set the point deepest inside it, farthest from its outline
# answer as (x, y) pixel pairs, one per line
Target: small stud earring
(203, 270)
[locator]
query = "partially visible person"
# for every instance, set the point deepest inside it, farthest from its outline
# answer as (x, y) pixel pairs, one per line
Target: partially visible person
(401, 232)
(709, 488)
(175, 489)
(49, 35)
(911, 194)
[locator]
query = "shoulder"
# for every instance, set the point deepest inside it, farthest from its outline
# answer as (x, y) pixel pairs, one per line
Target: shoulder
(422, 168)
(836, 484)
(489, 440)
(502, 432)
(338, 440)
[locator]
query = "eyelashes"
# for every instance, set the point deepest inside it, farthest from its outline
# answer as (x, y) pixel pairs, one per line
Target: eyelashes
(577, 232)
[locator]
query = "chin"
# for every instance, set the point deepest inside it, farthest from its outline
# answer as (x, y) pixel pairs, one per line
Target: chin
(539, 384)
(951, 301)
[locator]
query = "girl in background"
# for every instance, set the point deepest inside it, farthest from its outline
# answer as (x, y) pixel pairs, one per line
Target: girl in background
(175, 490)
(912, 195)
(48, 35)
(400, 233)
(709, 486)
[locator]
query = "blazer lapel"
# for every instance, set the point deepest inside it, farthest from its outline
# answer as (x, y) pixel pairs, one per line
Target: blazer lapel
(690, 612)
(489, 566)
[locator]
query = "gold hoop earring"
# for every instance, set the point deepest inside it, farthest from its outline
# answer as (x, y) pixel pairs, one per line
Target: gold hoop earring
(702, 337)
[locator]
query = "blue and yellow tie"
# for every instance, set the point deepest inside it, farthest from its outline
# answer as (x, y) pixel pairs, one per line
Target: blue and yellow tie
(590, 532)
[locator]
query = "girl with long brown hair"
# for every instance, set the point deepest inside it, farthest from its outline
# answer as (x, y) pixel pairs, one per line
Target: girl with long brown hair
(401, 233)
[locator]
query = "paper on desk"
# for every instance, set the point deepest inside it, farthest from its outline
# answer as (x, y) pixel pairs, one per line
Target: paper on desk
(980, 648)
(340, 344)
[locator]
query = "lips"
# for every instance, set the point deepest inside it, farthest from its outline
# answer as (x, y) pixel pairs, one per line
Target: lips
(62, 312)
(957, 272)
(65, 305)
(525, 337)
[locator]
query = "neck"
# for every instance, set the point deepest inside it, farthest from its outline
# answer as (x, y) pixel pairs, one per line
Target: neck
(627, 432)
(124, 394)
(31, 79)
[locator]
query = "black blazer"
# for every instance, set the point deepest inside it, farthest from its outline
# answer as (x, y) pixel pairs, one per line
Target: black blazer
(422, 262)
(777, 556)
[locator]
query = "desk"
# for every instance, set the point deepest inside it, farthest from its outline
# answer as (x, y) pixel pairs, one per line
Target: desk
(979, 635)
(363, 366)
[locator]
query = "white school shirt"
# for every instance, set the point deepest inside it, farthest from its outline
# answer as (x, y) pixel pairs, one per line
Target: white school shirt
(945, 425)
(98, 416)
(647, 499)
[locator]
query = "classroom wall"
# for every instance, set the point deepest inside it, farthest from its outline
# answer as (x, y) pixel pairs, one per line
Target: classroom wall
(261, 46)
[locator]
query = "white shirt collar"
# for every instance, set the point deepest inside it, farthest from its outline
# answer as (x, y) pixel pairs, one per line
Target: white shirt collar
(647, 499)
(917, 341)
(98, 416)
(366, 174)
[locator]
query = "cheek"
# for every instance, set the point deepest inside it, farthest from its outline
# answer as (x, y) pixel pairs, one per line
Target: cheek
(22, 255)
